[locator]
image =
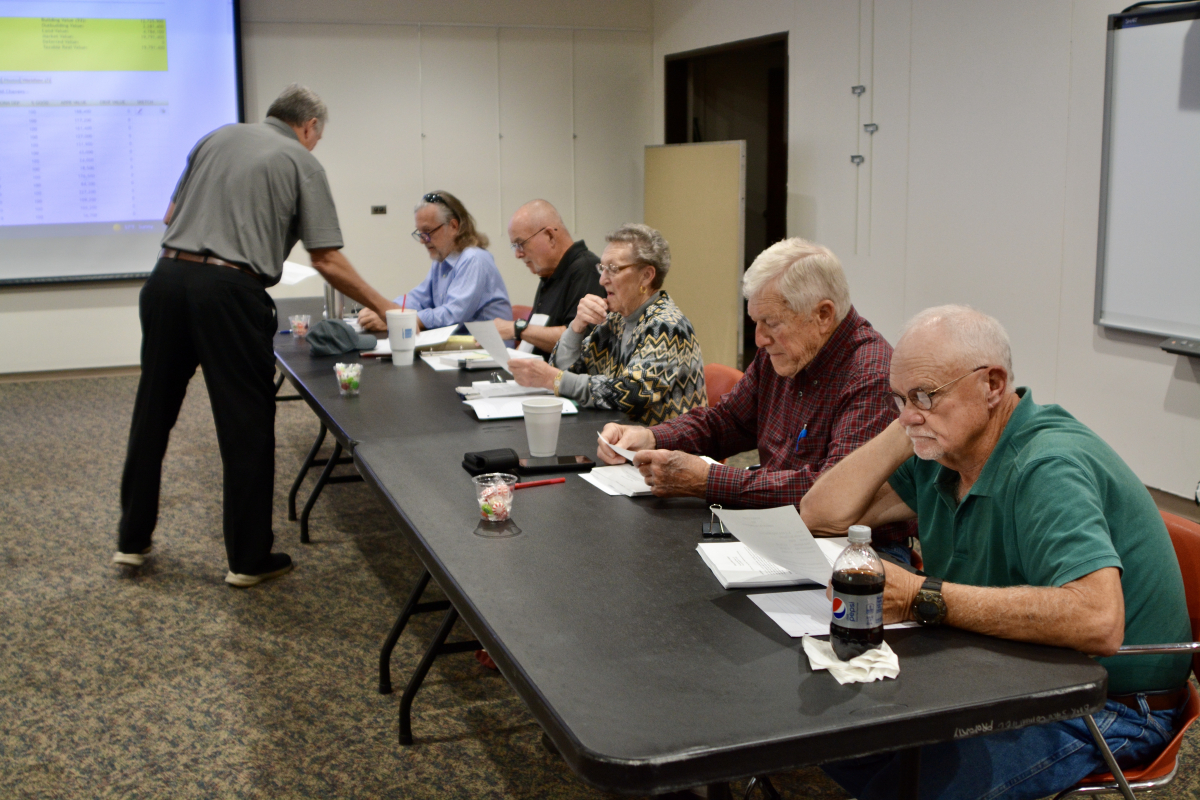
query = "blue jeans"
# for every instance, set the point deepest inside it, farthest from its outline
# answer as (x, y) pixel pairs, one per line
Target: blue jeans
(897, 550)
(1032, 762)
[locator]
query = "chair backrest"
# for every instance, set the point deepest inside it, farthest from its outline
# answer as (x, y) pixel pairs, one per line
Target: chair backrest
(521, 312)
(719, 380)
(1185, 535)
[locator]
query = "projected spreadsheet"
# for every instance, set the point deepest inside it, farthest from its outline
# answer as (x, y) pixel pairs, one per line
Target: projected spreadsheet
(73, 163)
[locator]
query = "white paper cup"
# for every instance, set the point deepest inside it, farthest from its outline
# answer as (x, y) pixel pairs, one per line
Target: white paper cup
(542, 418)
(402, 334)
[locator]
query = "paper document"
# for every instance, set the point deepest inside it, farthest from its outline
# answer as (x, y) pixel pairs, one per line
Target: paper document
(441, 362)
(508, 407)
(779, 535)
(488, 336)
(621, 451)
(293, 273)
(506, 389)
(621, 479)
(803, 613)
(435, 336)
(736, 566)
(383, 347)
(536, 319)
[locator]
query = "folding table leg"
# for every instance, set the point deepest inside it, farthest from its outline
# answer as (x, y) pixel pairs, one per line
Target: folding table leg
(411, 606)
(1108, 757)
(316, 492)
(414, 683)
(910, 773)
(304, 468)
(719, 791)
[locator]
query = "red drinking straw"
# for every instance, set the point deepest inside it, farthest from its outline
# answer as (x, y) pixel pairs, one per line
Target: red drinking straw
(539, 483)
(404, 301)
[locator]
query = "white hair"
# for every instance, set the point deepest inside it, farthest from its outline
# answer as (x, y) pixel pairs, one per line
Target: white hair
(975, 337)
(803, 272)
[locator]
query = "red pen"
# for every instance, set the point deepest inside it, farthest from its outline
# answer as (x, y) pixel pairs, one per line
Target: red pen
(546, 482)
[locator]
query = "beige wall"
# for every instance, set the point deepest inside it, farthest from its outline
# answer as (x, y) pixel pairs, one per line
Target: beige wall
(981, 185)
(498, 102)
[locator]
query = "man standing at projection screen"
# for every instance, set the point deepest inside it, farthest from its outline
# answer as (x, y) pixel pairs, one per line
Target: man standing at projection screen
(248, 193)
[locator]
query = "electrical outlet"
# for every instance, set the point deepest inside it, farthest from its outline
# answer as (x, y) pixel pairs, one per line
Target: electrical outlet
(378, 209)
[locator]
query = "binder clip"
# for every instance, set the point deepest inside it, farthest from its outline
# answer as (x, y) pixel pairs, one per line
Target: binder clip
(714, 528)
(496, 377)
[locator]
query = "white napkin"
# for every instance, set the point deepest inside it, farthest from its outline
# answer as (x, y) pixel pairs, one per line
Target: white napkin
(872, 665)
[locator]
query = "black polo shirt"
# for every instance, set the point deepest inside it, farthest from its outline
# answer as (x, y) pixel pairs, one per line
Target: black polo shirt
(559, 295)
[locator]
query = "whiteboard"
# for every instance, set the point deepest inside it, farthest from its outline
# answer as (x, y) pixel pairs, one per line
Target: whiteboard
(1148, 260)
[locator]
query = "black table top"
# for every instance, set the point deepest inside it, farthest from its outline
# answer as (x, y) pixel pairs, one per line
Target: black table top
(645, 673)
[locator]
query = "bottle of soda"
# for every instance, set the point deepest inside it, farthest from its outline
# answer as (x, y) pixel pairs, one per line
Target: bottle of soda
(858, 581)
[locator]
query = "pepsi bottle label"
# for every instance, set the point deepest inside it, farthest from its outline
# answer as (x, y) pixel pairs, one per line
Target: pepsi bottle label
(857, 611)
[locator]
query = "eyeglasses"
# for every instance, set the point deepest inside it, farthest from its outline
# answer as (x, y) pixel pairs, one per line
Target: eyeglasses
(923, 399)
(434, 197)
(425, 237)
(611, 270)
(520, 243)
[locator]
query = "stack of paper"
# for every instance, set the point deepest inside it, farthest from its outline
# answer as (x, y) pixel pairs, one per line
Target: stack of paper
(479, 389)
(508, 407)
(622, 479)
(804, 613)
(737, 566)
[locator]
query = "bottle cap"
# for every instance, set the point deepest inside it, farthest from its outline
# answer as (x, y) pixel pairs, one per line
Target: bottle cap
(860, 534)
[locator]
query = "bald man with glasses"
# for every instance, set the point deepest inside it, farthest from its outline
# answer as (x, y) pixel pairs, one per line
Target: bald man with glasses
(567, 270)
(1032, 529)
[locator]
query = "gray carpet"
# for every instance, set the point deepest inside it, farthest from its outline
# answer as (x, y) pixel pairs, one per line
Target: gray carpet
(164, 682)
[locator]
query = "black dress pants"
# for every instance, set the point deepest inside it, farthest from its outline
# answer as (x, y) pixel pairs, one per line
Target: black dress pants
(223, 320)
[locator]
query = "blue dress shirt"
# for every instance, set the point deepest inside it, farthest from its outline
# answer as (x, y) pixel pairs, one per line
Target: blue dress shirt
(465, 287)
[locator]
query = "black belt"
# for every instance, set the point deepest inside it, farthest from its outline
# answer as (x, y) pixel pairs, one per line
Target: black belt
(1156, 701)
(183, 255)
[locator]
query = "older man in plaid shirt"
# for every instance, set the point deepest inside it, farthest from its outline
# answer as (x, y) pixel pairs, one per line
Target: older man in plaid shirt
(823, 395)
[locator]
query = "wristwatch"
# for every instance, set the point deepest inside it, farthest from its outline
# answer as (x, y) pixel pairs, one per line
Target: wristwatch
(929, 608)
(519, 327)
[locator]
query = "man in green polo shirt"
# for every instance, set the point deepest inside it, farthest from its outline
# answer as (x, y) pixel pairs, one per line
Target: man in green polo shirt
(1031, 529)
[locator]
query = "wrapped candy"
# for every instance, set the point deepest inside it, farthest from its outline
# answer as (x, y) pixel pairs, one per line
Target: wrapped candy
(348, 376)
(494, 492)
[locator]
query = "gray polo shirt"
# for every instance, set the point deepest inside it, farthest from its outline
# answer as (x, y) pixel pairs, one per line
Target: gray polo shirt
(248, 194)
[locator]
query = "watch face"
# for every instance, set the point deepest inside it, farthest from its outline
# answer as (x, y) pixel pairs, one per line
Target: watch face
(927, 610)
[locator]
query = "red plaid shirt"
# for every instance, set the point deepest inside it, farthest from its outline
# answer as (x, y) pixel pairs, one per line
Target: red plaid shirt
(840, 399)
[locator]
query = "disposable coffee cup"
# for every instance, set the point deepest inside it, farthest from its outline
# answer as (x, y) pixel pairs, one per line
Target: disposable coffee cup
(542, 418)
(402, 335)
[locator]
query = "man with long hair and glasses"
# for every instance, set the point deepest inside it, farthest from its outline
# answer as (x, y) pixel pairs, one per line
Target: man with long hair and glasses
(463, 284)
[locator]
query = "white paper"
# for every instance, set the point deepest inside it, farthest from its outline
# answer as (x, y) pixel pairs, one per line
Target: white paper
(804, 613)
(436, 361)
(488, 336)
(736, 566)
(621, 451)
(536, 319)
(383, 347)
(781, 536)
(293, 273)
(506, 389)
(508, 407)
(435, 336)
(621, 479)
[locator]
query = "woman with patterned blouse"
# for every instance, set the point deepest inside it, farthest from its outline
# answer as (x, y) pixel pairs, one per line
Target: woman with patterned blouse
(634, 350)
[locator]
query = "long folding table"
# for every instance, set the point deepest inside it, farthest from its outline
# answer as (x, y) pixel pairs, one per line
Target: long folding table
(646, 675)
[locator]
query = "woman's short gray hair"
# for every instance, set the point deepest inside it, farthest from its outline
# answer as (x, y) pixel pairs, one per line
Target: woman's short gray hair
(649, 247)
(803, 272)
(298, 104)
(974, 337)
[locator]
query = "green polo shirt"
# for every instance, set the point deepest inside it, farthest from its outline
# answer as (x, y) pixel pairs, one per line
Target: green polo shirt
(1055, 503)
